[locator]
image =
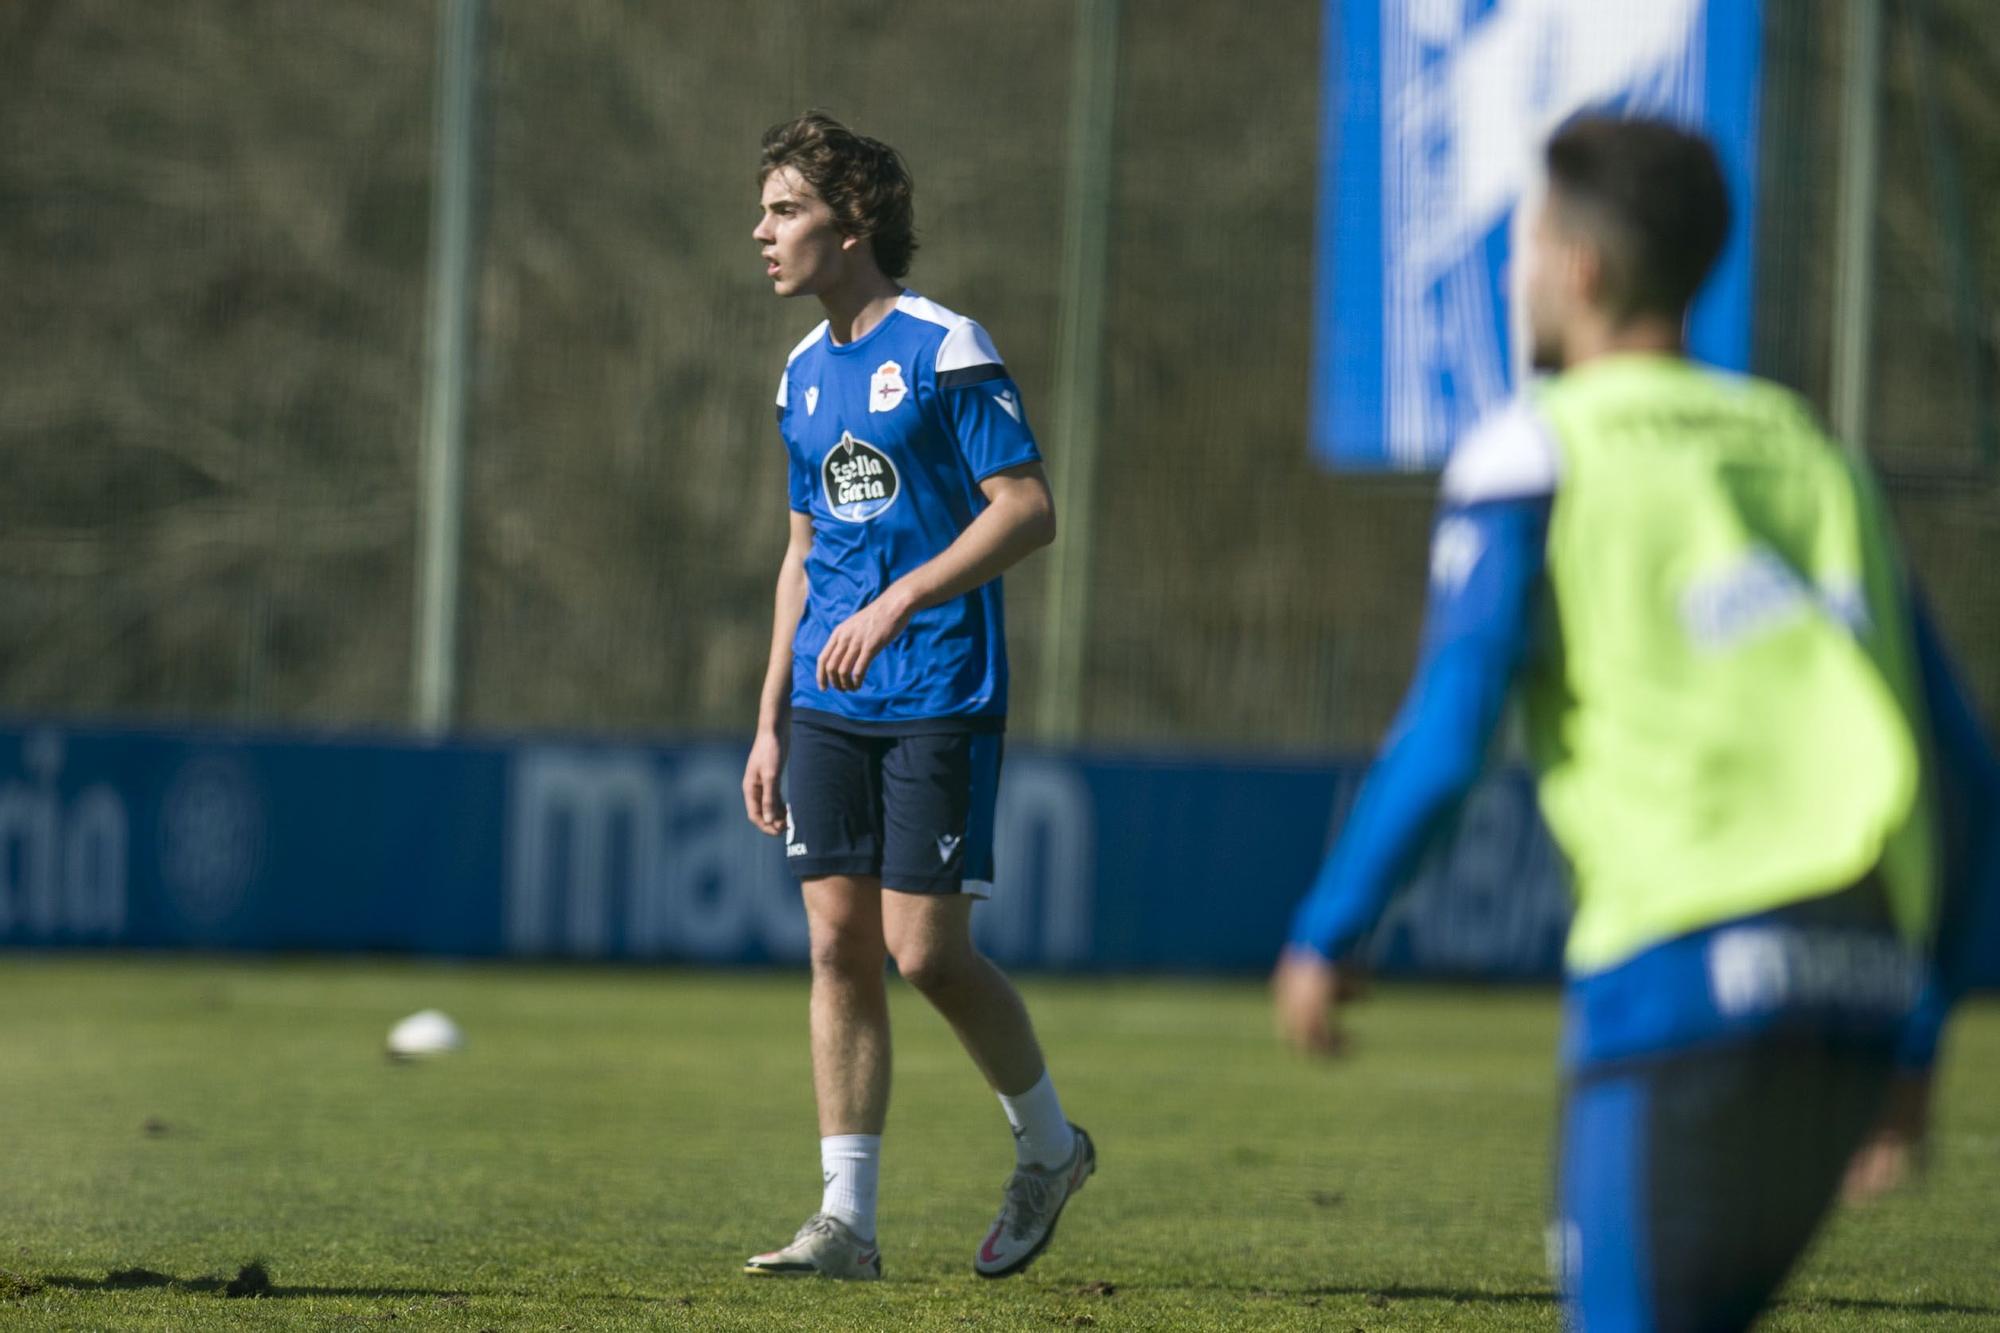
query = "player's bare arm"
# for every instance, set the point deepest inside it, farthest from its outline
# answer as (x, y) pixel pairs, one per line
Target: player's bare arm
(1019, 519)
(766, 767)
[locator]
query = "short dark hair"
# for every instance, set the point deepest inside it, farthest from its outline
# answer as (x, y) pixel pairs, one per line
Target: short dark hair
(1651, 196)
(863, 180)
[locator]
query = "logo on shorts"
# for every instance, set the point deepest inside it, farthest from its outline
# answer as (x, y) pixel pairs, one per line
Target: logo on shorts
(793, 847)
(948, 846)
(860, 481)
(886, 388)
(1455, 552)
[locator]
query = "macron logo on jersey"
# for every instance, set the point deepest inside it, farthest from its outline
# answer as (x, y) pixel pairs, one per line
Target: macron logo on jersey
(812, 400)
(1008, 403)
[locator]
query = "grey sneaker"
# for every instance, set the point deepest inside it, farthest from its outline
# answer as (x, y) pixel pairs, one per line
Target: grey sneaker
(1033, 1206)
(824, 1247)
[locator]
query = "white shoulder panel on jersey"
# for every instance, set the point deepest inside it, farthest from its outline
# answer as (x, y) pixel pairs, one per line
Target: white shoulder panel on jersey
(819, 331)
(785, 380)
(922, 307)
(1511, 455)
(965, 345)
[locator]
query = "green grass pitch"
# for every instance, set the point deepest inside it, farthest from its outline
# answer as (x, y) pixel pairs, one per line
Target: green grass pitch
(613, 1142)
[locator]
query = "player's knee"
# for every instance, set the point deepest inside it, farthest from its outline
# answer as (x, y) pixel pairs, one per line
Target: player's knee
(932, 968)
(846, 953)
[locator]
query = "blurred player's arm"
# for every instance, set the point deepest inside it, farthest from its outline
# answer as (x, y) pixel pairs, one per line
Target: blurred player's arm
(1487, 558)
(1486, 565)
(1968, 782)
(1968, 804)
(764, 771)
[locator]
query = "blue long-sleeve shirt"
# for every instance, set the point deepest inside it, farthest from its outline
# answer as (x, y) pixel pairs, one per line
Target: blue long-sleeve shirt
(1486, 566)
(1488, 551)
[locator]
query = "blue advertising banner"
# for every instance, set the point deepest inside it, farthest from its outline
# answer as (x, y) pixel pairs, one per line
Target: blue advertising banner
(1432, 116)
(216, 840)
(605, 850)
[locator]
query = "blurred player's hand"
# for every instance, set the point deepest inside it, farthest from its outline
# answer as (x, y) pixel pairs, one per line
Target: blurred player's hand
(761, 800)
(857, 639)
(1894, 1151)
(1306, 992)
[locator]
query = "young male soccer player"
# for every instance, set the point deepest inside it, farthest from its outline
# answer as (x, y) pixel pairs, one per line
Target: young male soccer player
(1743, 737)
(915, 482)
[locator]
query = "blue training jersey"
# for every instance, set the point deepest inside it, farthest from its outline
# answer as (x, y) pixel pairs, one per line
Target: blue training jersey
(889, 437)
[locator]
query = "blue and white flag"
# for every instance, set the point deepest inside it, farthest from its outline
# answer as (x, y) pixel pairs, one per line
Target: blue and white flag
(1433, 118)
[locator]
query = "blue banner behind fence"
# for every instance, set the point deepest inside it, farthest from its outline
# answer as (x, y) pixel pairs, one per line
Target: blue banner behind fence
(1431, 118)
(624, 851)
(218, 840)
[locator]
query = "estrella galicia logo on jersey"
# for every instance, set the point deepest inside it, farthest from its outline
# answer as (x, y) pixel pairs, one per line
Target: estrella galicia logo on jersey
(860, 481)
(886, 388)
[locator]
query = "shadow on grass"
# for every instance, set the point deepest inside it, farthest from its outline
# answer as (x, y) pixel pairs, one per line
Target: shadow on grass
(1858, 1303)
(1456, 1295)
(251, 1281)
(1546, 1296)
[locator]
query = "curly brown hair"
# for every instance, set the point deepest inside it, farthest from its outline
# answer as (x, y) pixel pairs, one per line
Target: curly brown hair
(863, 180)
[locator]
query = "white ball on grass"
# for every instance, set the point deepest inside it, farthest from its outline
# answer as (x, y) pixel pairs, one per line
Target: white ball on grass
(424, 1033)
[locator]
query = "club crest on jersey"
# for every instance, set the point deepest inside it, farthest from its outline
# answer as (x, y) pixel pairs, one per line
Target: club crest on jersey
(860, 481)
(812, 400)
(886, 388)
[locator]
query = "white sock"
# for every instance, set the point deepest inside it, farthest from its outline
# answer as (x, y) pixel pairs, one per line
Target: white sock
(850, 1164)
(1042, 1136)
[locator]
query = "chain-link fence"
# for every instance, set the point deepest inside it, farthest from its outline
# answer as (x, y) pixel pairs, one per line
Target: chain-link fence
(214, 219)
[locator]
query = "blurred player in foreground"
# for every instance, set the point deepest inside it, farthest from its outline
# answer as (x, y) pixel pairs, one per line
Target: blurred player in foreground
(915, 482)
(1749, 746)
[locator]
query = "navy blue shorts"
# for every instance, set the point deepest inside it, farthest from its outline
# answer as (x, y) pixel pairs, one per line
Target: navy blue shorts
(1718, 1086)
(914, 811)
(1690, 1184)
